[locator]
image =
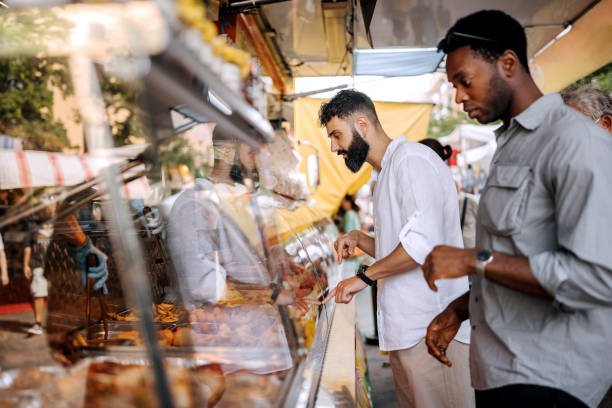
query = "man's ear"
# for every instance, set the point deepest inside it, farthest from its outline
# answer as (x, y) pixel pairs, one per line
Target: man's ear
(606, 122)
(508, 64)
(362, 124)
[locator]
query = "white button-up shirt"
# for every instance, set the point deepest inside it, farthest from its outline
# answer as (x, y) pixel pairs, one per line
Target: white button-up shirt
(415, 204)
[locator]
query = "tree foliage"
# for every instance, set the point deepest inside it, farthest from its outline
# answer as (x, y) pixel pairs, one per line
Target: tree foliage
(27, 80)
(444, 125)
(600, 79)
(26, 106)
(121, 99)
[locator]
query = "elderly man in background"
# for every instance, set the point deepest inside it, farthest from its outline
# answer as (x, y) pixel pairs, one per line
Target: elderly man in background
(591, 102)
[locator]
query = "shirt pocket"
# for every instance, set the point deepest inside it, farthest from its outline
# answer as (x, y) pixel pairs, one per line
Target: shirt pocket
(504, 203)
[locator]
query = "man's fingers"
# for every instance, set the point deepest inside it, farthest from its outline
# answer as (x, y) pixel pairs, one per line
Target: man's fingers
(335, 248)
(431, 282)
(437, 351)
(330, 295)
(312, 301)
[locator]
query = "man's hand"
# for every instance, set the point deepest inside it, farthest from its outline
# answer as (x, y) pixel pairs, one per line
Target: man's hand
(446, 262)
(440, 332)
(27, 271)
(288, 297)
(344, 247)
(99, 272)
(345, 290)
(5, 280)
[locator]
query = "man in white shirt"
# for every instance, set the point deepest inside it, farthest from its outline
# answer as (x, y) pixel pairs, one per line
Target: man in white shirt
(415, 209)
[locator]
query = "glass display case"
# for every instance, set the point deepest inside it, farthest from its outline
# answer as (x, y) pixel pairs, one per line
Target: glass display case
(139, 220)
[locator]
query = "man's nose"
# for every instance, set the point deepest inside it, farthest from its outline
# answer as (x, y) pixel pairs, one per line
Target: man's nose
(334, 147)
(460, 96)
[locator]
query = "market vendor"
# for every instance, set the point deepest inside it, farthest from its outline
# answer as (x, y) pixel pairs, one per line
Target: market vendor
(213, 235)
(541, 298)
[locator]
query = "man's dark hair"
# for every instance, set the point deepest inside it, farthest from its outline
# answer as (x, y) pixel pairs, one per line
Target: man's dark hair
(346, 103)
(489, 33)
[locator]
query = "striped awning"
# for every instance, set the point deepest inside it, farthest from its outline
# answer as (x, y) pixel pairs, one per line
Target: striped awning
(29, 168)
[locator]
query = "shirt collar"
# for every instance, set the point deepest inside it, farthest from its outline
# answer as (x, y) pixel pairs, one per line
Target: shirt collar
(390, 149)
(534, 115)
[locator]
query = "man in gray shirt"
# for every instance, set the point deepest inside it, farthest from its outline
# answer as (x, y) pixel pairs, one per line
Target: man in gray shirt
(541, 298)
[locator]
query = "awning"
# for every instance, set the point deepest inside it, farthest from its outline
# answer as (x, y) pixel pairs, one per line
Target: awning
(397, 61)
(29, 168)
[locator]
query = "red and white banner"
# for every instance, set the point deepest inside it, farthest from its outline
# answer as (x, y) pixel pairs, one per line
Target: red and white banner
(29, 168)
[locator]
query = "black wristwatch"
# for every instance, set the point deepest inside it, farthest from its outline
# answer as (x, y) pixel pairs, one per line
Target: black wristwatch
(361, 274)
(276, 290)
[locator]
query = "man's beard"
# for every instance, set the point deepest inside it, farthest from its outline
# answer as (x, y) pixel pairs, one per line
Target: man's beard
(500, 99)
(356, 153)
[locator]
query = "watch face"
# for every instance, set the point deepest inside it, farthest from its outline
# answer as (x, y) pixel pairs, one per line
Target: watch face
(362, 268)
(483, 255)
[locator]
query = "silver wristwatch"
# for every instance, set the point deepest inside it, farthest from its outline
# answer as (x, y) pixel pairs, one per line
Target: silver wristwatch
(483, 258)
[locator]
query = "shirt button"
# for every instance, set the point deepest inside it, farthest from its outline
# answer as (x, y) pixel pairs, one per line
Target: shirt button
(474, 327)
(476, 299)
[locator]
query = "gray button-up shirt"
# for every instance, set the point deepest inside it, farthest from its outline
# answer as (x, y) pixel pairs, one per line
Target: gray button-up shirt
(548, 198)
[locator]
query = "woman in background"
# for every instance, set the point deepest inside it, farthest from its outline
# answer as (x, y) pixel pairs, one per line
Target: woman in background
(468, 204)
(349, 215)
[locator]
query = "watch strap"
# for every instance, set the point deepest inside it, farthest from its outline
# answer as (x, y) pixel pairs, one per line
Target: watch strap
(361, 274)
(275, 291)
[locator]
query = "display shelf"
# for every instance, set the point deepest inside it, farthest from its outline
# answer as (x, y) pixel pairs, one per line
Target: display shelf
(177, 79)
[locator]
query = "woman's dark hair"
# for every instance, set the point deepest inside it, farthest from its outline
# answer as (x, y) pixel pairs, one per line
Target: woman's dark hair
(445, 152)
(351, 199)
(489, 33)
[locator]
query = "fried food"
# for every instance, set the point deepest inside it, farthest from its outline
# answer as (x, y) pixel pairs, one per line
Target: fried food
(163, 313)
(112, 384)
(248, 386)
(166, 337)
(182, 337)
(127, 335)
(166, 313)
(212, 376)
(128, 317)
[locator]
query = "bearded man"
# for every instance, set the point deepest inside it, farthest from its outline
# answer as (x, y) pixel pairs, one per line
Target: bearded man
(415, 209)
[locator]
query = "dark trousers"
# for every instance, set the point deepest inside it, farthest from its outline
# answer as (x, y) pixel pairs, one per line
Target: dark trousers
(526, 396)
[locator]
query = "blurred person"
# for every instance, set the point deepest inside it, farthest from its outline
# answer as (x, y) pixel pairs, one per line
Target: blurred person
(468, 204)
(595, 104)
(34, 254)
(244, 170)
(3, 264)
(541, 296)
(38, 241)
(415, 208)
(209, 246)
(348, 214)
(349, 221)
(445, 152)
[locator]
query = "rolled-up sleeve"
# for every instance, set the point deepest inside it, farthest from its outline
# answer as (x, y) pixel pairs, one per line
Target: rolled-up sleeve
(573, 283)
(422, 207)
(579, 273)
